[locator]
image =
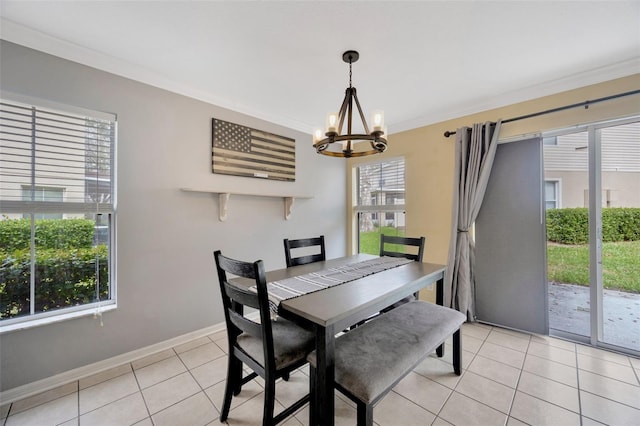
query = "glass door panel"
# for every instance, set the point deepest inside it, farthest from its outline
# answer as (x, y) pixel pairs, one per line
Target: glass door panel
(566, 175)
(620, 188)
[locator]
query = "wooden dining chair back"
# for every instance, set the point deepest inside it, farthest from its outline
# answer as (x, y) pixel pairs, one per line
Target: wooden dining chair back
(404, 243)
(271, 348)
(302, 243)
(408, 247)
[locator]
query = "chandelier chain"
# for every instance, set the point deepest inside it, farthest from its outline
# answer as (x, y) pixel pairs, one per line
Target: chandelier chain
(349, 72)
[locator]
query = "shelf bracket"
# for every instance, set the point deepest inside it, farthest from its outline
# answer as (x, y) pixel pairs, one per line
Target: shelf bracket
(223, 206)
(288, 207)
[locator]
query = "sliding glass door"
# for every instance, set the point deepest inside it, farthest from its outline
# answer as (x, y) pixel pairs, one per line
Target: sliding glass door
(620, 191)
(592, 196)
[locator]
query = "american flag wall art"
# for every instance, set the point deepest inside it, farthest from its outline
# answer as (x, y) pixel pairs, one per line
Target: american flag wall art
(243, 151)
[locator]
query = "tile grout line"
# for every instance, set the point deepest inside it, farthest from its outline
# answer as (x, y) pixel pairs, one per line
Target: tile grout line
(196, 380)
(146, 406)
(515, 390)
(207, 395)
(78, 392)
(6, 419)
(463, 372)
(578, 384)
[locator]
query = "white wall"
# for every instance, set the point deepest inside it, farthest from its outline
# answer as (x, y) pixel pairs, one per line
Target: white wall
(165, 237)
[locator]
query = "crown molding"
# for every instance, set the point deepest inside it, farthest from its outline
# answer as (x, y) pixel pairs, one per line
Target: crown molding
(547, 88)
(33, 39)
(37, 40)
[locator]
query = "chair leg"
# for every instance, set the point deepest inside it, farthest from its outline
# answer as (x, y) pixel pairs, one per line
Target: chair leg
(232, 386)
(365, 414)
(237, 376)
(269, 401)
(313, 419)
(457, 353)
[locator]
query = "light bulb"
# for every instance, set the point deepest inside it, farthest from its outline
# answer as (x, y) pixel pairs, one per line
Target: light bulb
(377, 121)
(332, 122)
(317, 135)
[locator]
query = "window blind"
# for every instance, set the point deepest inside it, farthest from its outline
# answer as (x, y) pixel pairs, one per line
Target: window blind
(60, 151)
(381, 186)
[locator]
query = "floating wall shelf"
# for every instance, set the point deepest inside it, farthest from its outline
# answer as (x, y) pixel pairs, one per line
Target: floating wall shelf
(223, 199)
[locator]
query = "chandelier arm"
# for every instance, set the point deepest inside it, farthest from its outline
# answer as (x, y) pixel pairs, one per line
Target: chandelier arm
(343, 109)
(349, 148)
(364, 122)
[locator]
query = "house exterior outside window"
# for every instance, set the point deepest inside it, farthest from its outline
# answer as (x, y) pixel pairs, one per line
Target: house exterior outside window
(566, 160)
(551, 194)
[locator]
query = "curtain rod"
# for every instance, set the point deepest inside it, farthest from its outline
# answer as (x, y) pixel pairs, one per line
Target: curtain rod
(584, 104)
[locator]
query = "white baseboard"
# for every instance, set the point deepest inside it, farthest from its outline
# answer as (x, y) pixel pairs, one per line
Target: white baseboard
(33, 388)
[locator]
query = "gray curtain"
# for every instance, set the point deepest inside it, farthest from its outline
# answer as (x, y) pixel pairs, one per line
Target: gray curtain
(475, 151)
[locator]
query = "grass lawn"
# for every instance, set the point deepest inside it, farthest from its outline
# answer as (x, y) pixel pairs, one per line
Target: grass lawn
(620, 265)
(567, 264)
(370, 241)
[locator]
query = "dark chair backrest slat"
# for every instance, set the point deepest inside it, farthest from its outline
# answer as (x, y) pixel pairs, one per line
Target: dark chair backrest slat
(246, 325)
(242, 296)
(404, 241)
(302, 243)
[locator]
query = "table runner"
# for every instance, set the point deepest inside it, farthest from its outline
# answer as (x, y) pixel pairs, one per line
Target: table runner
(289, 288)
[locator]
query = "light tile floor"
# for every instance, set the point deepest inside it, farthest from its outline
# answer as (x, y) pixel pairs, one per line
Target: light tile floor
(508, 378)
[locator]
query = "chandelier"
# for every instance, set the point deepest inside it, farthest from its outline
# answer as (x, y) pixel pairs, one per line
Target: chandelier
(338, 144)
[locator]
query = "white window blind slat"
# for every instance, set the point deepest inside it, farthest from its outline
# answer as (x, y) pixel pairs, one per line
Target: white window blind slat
(381, 186)
(47, 148)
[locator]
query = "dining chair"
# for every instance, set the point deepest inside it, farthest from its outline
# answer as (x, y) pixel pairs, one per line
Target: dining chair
(408, 247)
(416, 251)
(271, 348)
(304, 243)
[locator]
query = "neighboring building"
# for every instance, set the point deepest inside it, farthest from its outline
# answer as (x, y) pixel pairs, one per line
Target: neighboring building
(566, 162)
(381, 195)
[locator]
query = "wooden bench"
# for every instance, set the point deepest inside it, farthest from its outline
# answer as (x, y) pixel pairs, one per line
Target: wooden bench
(372, 358)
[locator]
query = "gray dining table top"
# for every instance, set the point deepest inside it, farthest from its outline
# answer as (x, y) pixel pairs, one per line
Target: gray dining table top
(348, 303)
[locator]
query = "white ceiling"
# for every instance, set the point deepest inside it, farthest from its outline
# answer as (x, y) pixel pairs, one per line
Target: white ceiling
(420, 61)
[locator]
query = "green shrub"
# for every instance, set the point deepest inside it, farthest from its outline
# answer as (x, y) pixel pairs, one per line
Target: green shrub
(568, 226)
(63, 278)
(15, 234)
(571, 226)
(65, 265)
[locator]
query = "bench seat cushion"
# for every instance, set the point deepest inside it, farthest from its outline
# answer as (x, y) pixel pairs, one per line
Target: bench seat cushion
(371, 358)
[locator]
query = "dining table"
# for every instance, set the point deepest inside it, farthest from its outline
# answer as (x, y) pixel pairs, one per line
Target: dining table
(331, 310)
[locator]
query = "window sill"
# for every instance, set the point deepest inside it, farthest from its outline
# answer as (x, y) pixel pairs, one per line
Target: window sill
(26, 323)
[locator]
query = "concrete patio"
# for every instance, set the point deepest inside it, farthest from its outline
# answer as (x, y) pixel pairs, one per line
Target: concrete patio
(569, 311)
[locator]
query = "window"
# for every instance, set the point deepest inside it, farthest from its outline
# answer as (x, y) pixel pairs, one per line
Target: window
(380, 205)
(42, 194)
(551, 194)
(56, 212)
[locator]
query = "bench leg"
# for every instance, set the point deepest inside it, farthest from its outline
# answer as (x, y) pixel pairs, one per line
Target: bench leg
(440, 301)
(457, 353)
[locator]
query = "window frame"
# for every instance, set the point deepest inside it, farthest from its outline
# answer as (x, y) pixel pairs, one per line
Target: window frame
(557, 183)
(34, 209)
